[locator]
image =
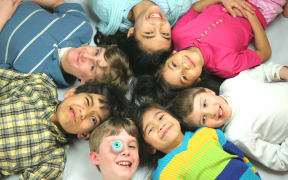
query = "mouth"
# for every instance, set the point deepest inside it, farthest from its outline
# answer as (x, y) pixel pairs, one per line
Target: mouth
(72, 113)
(190, 60)
(155, 15)
(220, 112)
(165, 132)
(127, 164)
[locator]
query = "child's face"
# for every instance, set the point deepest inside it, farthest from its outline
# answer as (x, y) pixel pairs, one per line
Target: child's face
(183, 68)
(209, 110)
(161, 130)
(153, 30)
(81, 113)
(86, 63)
(119, 165)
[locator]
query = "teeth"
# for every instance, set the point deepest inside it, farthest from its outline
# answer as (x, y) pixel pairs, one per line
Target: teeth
(221, 112)
(155, 15)
(124, 163)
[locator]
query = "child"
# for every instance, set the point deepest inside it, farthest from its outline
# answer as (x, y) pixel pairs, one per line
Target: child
(251, 110)
(203, 154)
(208, 37)
(35, 40)
(114, 148)
(35, 126)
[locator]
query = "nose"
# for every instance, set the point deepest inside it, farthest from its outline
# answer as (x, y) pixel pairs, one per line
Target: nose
(211, 112)
(185, 63)
(125, 151)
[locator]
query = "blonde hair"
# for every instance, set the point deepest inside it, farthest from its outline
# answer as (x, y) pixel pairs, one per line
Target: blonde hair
(111, 127)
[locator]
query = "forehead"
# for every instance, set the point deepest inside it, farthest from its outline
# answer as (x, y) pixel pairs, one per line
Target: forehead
(123, 136)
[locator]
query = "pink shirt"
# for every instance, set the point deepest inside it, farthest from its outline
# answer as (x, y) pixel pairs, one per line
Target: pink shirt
(222, 39)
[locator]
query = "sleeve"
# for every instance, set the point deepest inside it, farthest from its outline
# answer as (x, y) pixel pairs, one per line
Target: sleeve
(274, 156)
(231, 148)
(51, 169)
(236, 62)
(267, 72)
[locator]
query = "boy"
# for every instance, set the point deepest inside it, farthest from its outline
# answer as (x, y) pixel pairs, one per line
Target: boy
(251, 110)
(114, 148)
(36, 40)
(35, 126)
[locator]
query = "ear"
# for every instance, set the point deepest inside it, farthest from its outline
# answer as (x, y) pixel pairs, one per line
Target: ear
(209, 91)
(83, 136)
(82, 82)
(151, 149)
(94, 158)
(198, 80)
(130, 32)
(69, 92)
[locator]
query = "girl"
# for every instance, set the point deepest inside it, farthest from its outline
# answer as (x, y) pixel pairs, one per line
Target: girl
(203, 154)
(146, 23)
(212, 39)
(253, 117)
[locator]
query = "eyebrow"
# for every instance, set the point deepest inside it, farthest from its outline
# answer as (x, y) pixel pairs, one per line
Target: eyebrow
(91, 98)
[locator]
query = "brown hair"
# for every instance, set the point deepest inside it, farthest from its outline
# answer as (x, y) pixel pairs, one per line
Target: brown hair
(111, 127)
(120, 72)
(182, 104)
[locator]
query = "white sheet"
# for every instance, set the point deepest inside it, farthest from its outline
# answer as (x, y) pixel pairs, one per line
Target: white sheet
(78, 165)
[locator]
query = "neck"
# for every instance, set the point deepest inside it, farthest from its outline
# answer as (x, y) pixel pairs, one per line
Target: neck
(139, 9)
(177, 142)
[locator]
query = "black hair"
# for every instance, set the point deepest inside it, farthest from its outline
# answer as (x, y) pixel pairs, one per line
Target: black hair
(100, 39)
(115, 100)
(143, 62)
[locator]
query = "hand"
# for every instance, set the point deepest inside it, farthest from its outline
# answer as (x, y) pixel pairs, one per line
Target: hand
(284, 73)
(7, 8)
(237, 8)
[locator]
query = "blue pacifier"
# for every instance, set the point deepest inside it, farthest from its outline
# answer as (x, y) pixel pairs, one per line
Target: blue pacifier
(117, 146)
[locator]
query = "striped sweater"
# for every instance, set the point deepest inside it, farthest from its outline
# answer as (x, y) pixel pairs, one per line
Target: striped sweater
(30, 40)
(205, 154)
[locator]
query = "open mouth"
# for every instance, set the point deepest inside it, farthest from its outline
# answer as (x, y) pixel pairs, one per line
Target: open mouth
(155, 15)
(73, 113)
(220, 112)
(124, 163)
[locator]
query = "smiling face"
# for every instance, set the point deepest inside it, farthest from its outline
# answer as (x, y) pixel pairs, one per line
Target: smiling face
(209, 110)
(183, 68)
(161, 130)
(117, 165)
(85, 63)
(153, 30)
(81, 113)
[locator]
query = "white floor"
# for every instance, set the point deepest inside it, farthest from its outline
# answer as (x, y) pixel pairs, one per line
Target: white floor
(78, 165)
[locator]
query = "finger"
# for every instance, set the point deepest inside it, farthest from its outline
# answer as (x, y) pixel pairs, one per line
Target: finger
(230, 11)
(238, 12)
(248, 7)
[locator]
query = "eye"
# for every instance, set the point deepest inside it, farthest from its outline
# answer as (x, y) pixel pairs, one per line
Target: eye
(203, 120)
(87, 100)
(173, 64)
(97, 52)
(92, 67)
(161, 117)
(184, 77)
(204, 103)
(94, 119)
(148, 33)
(132, 147)
(150, 130)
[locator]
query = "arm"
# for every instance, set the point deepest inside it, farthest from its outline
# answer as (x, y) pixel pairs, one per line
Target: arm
(7, 9)
(273, 156)
(48, 3)
(285, 12)
(262, 44)
(51, 169)
(234, 7)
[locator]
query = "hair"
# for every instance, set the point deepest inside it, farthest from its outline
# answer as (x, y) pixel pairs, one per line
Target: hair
(120, 72)
(141, 61)
(182, 104)
(114, 99)
(111, 127)
(149, 159)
